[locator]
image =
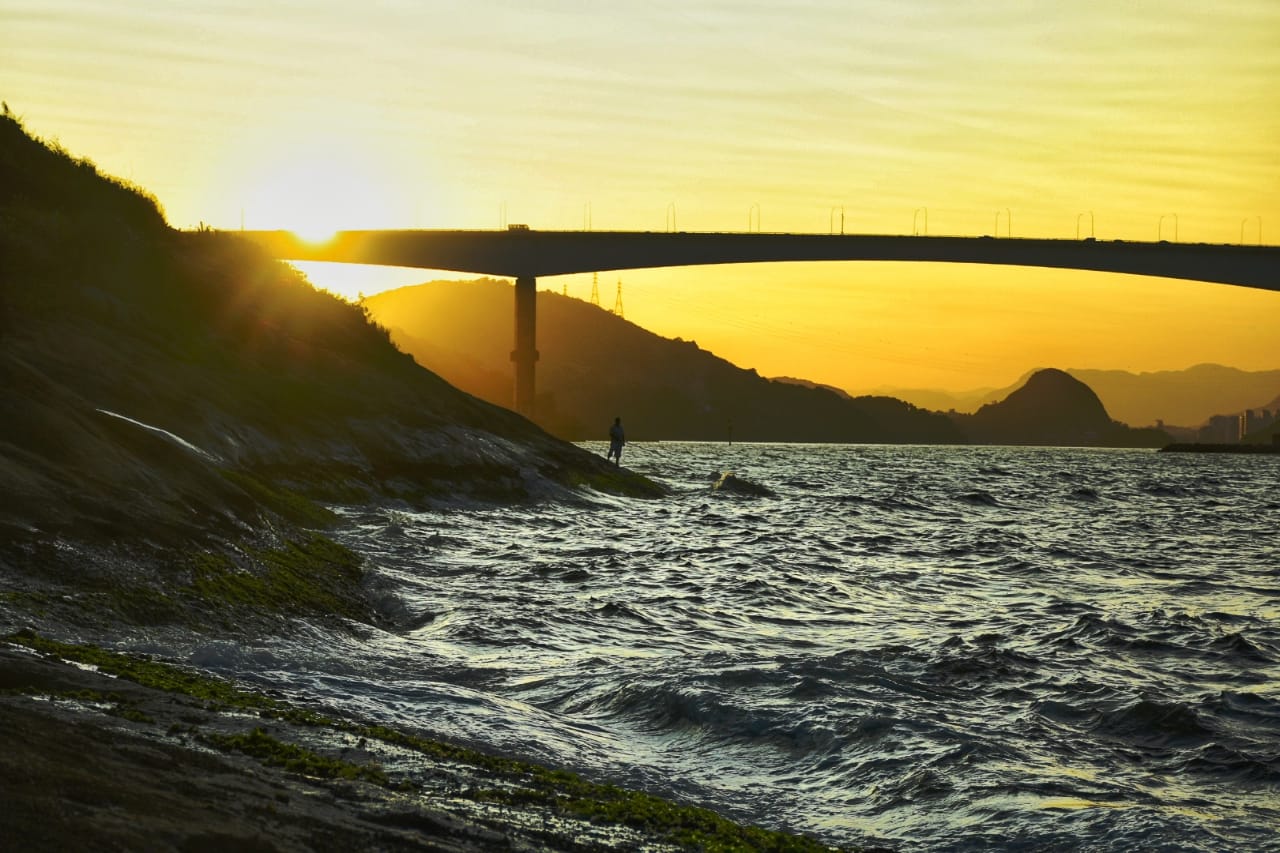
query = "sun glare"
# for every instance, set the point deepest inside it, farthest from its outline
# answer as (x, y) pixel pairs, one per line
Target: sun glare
(317, 188)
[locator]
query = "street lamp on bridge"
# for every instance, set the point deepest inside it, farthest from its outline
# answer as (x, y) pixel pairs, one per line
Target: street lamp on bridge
(1078, 215)
(915, 230)
(1008, 223)
(1242, 223)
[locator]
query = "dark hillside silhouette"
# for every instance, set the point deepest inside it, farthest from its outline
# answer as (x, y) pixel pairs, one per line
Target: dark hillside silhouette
(805, 383)
(166, 395)
(1053, 408)
(595, 365)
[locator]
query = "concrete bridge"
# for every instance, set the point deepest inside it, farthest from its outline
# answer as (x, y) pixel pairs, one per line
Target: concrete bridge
(524, 255)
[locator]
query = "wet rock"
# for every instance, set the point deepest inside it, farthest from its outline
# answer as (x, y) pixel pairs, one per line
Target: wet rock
(733, 484)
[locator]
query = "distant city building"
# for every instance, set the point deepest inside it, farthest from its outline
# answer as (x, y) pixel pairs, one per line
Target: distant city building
(1251, 421)
(1230, 429)
(1221, 429)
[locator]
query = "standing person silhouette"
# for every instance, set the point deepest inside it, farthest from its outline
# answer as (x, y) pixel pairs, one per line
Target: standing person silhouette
(617, 438)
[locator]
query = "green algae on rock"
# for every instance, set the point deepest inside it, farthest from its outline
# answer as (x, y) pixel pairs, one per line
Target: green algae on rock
(311, 575)
(325, 748)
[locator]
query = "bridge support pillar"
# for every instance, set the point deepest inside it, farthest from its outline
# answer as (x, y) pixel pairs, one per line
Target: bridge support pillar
(525, 355)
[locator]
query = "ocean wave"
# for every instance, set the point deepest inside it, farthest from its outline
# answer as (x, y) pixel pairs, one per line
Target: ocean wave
(1153, 723)
(932, 648)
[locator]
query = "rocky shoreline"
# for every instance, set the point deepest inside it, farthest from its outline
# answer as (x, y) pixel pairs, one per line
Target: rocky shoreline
(101, 751)
(177, 414)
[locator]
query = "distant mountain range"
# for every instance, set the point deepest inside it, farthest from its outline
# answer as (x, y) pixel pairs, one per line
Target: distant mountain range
(1179, 397)
(594, 366)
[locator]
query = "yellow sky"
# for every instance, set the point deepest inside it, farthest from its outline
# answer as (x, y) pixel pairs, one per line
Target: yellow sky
(1138, 120)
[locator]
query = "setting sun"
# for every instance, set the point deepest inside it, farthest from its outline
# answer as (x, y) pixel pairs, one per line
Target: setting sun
(1093, 119)
(319, 188)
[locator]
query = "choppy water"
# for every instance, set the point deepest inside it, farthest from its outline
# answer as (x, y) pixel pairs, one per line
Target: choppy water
(929, 648)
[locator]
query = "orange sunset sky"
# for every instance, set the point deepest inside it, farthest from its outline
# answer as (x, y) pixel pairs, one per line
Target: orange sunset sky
(1135, 120)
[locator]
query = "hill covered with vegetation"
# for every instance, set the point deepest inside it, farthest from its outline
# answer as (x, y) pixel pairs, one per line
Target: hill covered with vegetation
(594, 366)
(179, 403)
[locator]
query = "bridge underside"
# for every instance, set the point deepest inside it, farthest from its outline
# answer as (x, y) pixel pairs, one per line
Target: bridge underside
(524, 255)
(512, 254)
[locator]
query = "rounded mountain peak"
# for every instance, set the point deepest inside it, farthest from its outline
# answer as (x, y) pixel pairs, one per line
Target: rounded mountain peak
(1051, 407)
(1062, 386)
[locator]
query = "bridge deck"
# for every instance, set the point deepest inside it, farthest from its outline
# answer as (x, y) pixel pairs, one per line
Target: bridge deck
(524, 253)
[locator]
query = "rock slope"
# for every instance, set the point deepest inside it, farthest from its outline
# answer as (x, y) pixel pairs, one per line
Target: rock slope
(179, 404)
